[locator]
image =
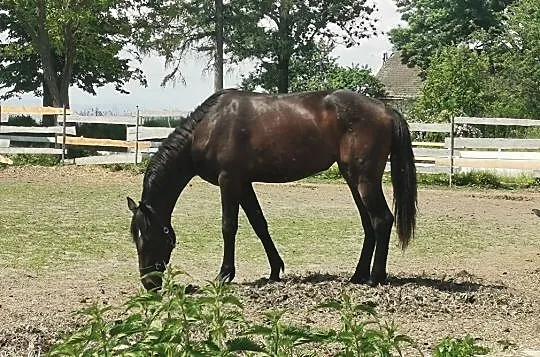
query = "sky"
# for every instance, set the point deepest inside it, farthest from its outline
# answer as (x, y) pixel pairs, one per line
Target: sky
(199, 85)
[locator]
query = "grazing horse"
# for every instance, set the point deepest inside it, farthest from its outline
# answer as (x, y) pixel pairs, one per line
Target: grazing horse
(235, 138)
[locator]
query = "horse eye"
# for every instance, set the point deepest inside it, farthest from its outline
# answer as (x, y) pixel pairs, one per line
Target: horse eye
(165, 230)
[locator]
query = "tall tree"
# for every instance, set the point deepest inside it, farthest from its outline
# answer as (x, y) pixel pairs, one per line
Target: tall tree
(177, 29)
(312, 63)
(501, 80)
(433, 24)
(317, 70)
(54, 44)
(218, 62)
(455, 85)
(272, 32)
(517, 62)
(276, 32)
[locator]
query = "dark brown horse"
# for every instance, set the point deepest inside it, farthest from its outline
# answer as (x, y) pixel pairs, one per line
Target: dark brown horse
(236, 138)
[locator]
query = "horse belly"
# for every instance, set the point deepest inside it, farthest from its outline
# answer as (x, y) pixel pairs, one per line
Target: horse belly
(285, 163)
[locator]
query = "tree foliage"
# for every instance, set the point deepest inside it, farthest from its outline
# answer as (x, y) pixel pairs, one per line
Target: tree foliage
(433, 24)
(500, 81)
(51, 45)
(358, 79)
(176, 29)
(516, 80)
(455, 85)
(302, 68)
(276, 34)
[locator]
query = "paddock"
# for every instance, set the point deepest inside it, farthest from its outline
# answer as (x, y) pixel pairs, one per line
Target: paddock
(473, 267)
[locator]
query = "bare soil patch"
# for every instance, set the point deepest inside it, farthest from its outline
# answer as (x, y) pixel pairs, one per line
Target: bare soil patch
(473, 268)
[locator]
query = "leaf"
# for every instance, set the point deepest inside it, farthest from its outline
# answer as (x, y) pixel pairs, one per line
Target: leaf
(233, 300)
(242, 344)
(331, 304)
(258, 330)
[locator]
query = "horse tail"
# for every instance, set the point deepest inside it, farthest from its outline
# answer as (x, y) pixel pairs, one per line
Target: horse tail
(403, 179)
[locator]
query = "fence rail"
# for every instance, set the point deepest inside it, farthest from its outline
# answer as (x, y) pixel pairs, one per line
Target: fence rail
(453, 154)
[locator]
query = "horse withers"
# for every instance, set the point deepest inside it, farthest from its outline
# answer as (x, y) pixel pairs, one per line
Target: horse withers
(235, 138)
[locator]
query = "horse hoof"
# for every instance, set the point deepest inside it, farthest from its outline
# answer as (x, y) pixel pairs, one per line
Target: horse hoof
(358, 280)
(376, 281)
(274, 278)
(225, 277)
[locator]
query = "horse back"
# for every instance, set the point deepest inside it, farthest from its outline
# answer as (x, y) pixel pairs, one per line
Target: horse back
(277, 138)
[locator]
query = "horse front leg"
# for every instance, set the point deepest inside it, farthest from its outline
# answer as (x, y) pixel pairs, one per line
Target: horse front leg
(255, 215)
(230, 197)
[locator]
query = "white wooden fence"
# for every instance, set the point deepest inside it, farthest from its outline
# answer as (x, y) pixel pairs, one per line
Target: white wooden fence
(454, 154)
(64, 135)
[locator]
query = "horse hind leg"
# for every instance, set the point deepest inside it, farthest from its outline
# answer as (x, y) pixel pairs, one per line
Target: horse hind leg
(382, 220)
(362, 272)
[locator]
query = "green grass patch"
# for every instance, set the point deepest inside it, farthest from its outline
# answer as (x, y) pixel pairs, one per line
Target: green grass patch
(46, 225)
(476, 179)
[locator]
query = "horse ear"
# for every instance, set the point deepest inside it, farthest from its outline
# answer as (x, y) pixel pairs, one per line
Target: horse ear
(145, 210)
(132, 205)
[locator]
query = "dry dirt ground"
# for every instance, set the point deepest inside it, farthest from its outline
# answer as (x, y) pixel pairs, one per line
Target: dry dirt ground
(491, 291)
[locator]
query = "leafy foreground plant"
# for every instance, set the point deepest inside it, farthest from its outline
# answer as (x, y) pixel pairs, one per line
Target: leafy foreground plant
(465, 347)
(172, 322)
(181, 321)
(359, 336)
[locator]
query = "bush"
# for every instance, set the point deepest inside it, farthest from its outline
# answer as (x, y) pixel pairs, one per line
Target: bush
(465, 347)
(478, 179)
(163, 122)
(21, 120)
(36, 159)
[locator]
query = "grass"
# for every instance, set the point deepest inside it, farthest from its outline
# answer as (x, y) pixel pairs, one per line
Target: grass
(48, 225)
(44, 226)
(476, 179)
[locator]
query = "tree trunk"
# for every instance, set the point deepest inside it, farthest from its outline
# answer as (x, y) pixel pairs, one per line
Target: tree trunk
(218, 63)
(283, 75)
(47, 120)
(284, 55)
(69, 60)
(44, 46)
(55, 85)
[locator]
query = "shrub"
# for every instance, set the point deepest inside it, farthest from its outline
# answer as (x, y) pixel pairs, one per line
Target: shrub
(21, 120)
(465, 347)
(36, 159)
(478, 179)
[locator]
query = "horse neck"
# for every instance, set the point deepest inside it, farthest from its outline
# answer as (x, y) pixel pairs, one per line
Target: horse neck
(165, 179)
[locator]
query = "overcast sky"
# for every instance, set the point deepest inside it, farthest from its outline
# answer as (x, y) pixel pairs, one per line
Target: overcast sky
(200, 85)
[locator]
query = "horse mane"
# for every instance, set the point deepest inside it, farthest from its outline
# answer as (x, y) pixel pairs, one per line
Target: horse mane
(160, 163)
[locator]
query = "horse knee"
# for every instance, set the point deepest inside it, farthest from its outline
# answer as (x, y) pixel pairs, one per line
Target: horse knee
(382, 225)
(229, 227)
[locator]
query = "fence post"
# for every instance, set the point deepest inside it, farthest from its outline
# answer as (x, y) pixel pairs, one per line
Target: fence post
(64, 136)
(451, 151)
(137, 137)
(0, 116)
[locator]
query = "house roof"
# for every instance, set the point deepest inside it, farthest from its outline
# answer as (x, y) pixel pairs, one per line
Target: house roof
(400, 80)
